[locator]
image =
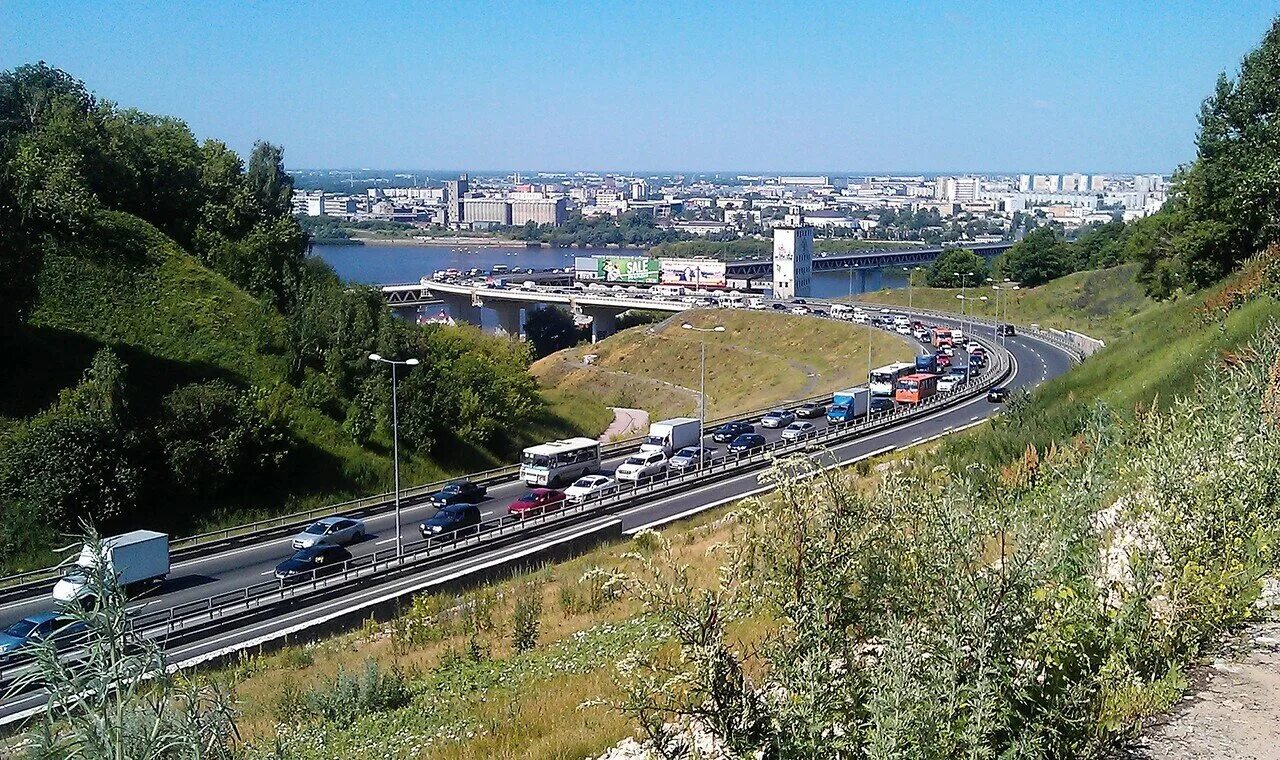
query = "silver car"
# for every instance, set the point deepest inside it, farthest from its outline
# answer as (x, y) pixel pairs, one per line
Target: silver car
(331, 531)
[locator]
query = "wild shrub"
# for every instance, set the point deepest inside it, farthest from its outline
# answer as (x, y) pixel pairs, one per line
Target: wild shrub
(348, 696)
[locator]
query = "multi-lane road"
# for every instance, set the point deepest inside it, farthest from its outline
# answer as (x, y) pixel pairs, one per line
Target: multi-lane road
(1034, 361)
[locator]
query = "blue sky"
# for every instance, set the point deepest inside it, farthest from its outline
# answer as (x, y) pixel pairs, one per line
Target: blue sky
(768, 86)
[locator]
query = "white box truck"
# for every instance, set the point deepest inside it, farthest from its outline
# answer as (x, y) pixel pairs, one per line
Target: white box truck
(135, 557)
(670, 436)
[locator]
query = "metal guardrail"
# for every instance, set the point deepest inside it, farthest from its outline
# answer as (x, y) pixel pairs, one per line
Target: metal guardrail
(177, 619)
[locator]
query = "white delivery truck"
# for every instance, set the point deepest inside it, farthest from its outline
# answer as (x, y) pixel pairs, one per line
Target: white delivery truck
(135, 557)
(670, 436)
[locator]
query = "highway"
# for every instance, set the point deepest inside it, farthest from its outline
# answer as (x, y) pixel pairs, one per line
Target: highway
(198, 578)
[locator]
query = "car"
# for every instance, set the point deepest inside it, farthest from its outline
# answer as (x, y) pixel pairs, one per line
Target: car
(949, 383)
(1004, 330)
(320, 559)
(881, 404)
(811, 410)
(689, 456)
(35, 628)
(458, 492)
(778, 306)
(998, 395)
(798, 430)
(798, 300)
(730, 430)
(537, 501)
(778, 418)
(453, 519)
(861, 317)
(330, 531)
(642, 465)
(746, 442)
(818, 313)
(942, 360)
(799, 310)
(590, 486)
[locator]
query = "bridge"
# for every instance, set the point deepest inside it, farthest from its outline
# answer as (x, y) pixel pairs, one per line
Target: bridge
(747, 268)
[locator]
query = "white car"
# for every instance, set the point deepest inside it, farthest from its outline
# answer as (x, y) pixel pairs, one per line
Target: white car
(860, 317)
(797, 430)
(903, 329)
(949, 383)
(334, 531)
(590, 486)
(640, 466)
(799, 310)
(957, 337)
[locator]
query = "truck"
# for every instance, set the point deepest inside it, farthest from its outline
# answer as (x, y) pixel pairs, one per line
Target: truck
(848, 405)
(134, 558)
(669, 436)
(926, 363)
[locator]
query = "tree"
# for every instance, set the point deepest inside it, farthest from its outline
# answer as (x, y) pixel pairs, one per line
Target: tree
(550, 329)
(1101, 246)
(951, 269)
(1040, 256)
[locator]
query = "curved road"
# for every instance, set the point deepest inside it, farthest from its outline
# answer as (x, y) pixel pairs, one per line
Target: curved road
(198, 578)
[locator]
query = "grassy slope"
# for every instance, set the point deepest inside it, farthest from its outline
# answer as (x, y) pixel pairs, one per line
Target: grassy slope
(1098, 303)
(760, 359)
(175, 321)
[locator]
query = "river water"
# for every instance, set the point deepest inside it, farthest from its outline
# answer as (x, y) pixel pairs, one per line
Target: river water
(393, 264)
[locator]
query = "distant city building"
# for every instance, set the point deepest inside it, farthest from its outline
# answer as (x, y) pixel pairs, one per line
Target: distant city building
(486, 212)
(805, 181)
(1097, 183)
(1074, 183)
(539, 211)
(1045, 183)
(638, 190)
(1024, 183)
(454, 191)
(792, 258)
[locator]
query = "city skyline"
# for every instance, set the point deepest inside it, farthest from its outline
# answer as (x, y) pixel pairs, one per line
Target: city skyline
(987, 89)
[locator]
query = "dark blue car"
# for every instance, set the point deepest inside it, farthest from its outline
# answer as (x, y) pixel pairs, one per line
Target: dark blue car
(747, 442)
(730, 430)
(458, 492)
(312, 561)
(458, 517)
(41, 626)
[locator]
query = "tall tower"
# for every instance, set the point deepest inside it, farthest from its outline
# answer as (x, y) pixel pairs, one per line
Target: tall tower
(792, 257)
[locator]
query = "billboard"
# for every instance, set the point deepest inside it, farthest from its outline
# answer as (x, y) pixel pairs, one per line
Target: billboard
(693, 273)
(627, 269)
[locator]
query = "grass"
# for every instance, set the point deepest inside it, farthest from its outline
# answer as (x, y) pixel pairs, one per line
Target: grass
(760, 359)
(1099, 303)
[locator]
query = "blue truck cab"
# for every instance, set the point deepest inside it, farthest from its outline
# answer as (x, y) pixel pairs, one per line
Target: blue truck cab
(848, 405)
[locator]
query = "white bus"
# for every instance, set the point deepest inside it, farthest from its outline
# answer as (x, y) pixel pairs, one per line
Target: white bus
(560, 461)
(885, 379)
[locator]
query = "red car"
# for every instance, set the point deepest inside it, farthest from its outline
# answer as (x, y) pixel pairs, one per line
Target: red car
(943, 360)
(537, 501)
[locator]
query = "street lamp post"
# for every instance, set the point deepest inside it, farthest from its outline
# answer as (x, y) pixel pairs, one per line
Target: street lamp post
(702, 391)
(911, 286)
(963, 280)
(395, 437)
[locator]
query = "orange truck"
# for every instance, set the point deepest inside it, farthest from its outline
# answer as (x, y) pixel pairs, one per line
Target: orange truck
(912, 389)
(942, 337)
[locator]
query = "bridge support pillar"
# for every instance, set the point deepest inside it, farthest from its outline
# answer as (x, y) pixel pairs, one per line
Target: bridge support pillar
(509, 323)
(870, 279)
(604, 322)
(462, 309)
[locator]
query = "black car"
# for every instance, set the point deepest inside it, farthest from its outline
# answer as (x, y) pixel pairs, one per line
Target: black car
(779, 307)
(810, 411)
(450, 519)
(1004, 330)
(458, 492)
(316, 560)
(997, 395)
(746, 442)
(882, 404)
(731, 430)
(798, 300)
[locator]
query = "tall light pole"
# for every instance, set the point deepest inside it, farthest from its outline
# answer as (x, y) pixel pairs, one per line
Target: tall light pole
(910, 286)
(702, 392)
(963, 280)
(395, 436)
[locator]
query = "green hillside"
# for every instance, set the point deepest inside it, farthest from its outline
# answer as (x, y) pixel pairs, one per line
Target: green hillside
(1098, 302)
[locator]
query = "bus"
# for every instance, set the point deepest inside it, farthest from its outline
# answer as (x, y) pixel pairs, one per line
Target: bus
(912, 389)
(557, 462)
(884, 379)
(942, 336)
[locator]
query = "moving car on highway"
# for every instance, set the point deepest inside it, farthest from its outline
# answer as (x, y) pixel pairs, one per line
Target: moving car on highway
(643, 465)
(798, 430)
(458, 492)
(690, 456)
(998, 395)
(747, 442)
(312, 561)
(730, 430)
(811, 410)
(778, 418)
(458, 517)
(537, 501)
(590, 486)
(330, 531)
(35, 628)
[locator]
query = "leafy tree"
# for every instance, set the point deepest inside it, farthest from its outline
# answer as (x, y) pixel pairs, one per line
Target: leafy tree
(550, 329)
(1038, 257)
(952, 268)
(1101, 246)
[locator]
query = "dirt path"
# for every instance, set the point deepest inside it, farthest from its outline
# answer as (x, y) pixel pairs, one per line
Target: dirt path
(1233, 709)
(626, 423)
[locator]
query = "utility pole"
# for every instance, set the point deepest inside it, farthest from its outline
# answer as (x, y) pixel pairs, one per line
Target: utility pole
(395, 437)
(702, 392)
